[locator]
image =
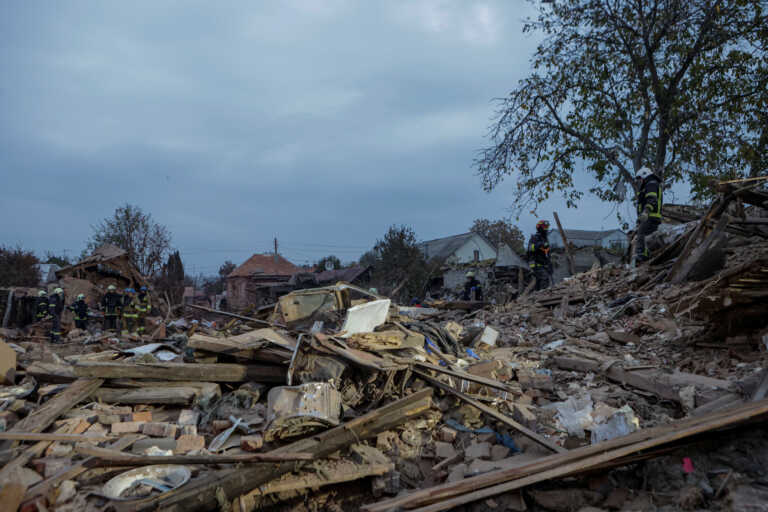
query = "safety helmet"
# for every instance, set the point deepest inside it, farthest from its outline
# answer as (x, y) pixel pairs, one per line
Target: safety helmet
(143, 289)
(542, 225)
(130, 290)
(470, 274)
(80, 296)
(111, 288)
(643, 173)
(58, 290)
(42, 293)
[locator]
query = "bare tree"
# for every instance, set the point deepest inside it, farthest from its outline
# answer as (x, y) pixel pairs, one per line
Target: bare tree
(146, 242)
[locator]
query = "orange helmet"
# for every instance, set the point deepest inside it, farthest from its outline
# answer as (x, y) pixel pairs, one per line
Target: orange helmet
(542, 224)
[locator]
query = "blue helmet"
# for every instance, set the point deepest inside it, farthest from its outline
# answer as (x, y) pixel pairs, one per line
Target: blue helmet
(143, 289)
(130, 290)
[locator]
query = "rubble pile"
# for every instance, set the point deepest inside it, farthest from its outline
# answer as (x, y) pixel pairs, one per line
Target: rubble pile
(618, 389)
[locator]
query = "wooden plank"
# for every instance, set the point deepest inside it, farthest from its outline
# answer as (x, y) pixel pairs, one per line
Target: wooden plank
(472, 378)
(7, 363)
(224, 346)
(329, 473)
(688, 261)
(105, 457)
(51, 372)
(161, 395)
(47, 413)
(663, 384)
(493, 413)
(181, 371)
(571, 264)
(62, 438)
(452, 494)
(44, 487)
(201, 494)
(11, 496)
(233, 315)
(34, 451)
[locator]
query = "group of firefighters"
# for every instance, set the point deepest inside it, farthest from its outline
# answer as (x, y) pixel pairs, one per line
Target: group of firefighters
(128, 310)
(649, 203)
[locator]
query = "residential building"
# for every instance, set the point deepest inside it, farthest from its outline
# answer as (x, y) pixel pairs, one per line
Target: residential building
(610, 239)
(260, 280)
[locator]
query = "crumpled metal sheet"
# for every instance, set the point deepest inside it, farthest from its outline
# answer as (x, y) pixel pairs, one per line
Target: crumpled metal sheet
(297, 410)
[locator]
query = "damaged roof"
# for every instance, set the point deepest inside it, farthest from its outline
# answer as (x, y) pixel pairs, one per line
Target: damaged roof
(348, 274)
(266, 264)
(442, 248)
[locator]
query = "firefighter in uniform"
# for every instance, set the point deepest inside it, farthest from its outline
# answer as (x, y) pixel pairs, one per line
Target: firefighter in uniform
(648, 209)
(130, 311)
(111, 303)
(80, 310)
(538, 255)
(472, 288)
(144, 307)
(55, 308)
(41, 306)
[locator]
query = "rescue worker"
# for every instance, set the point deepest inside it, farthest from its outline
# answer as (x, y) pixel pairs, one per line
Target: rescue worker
(144, 307)
(130, 311)
(55, 308)
(472, 288)
(538, 255)
(111, 303)
(41, 306)
(80, 310)
(648, 209)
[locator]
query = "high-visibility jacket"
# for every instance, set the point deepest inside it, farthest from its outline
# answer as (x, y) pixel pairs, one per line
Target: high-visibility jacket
(55, 304)
(41, 308)
(650, 195)
(538, 251)
(80, 309)
(144, 306)
(129, 307)
(112, 303)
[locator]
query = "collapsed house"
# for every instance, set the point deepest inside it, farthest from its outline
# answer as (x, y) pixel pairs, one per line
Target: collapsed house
(107, 265)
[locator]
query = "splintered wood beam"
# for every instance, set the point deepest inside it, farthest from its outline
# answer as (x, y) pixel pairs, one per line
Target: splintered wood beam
(105, 457)
(47, 413)
(218, 372)
(493, 413)
(571, 264)
(160, 395)
(201, 494)
(44, 487)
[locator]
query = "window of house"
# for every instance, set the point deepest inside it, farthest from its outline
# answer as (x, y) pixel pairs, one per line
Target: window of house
(477, 255)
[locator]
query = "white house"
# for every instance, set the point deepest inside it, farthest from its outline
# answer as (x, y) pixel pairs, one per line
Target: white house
(459, 249)
(611, 239)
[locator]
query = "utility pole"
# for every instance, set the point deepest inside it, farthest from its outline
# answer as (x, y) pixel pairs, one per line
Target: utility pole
(275, 249)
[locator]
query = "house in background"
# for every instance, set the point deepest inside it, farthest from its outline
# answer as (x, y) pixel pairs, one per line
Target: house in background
(47, 272)
(468, 251)
(260, 281)
(459, 249)
(356, 274)
(611, 239)
(195, 296)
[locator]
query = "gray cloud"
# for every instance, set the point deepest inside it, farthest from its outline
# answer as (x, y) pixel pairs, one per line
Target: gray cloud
(321, 123)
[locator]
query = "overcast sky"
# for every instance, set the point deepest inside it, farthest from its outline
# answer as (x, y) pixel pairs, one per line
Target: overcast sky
(321, 123)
